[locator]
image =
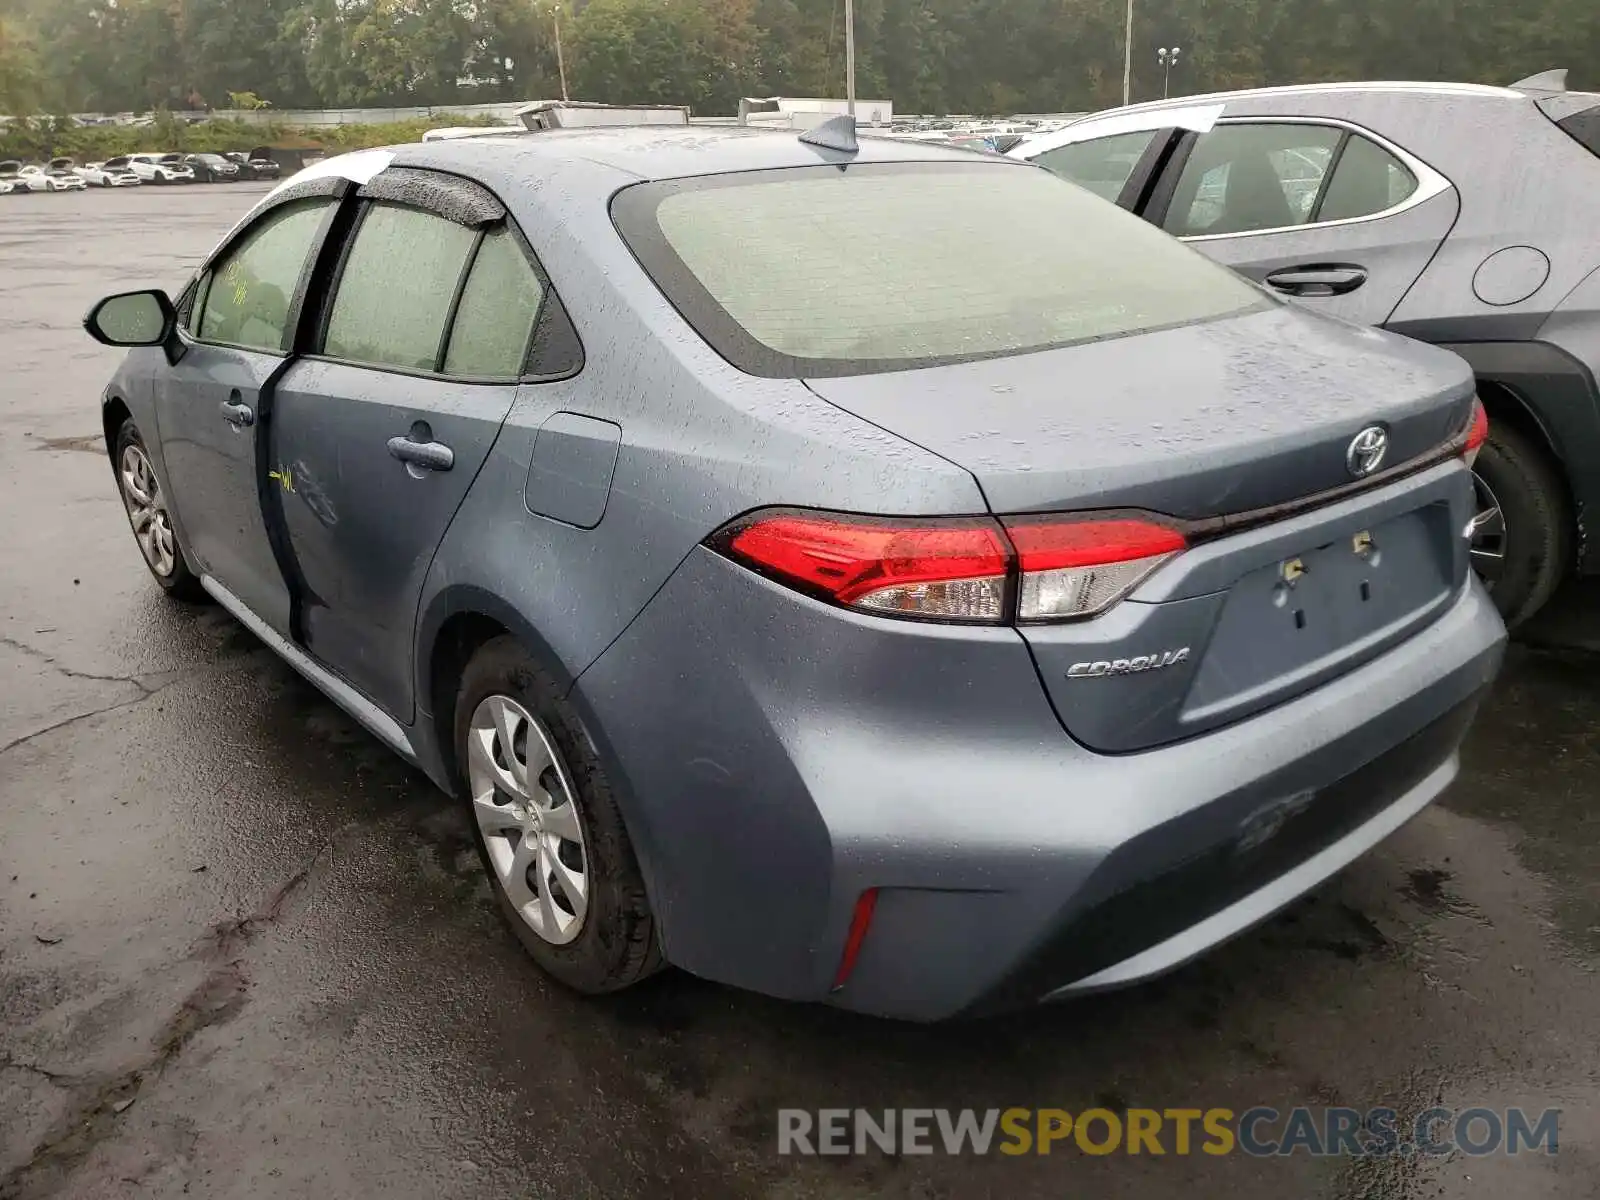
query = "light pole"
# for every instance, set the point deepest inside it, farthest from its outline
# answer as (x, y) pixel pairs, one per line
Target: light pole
(561, 61)
(850, 56)
(1127, 56)
(1168, 59)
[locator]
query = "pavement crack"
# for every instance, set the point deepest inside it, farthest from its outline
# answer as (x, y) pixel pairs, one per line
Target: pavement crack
(59, 1078)
(226, 938)
(54, 664)
(216, 999)
(74, 719)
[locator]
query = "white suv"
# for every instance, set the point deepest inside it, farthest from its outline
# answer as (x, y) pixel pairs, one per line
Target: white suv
(161, 168)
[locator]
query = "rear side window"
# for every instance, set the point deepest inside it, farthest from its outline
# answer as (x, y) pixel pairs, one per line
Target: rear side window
(1102, 165)
(1584, 128)
(396, 289)
(817, 271)
(1242, 178)
(250, 289)
(499, 306)
(1249, 177)
(1368, 179)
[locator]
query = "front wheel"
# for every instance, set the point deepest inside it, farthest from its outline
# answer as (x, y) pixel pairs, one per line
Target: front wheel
(547, 825)
(149, 516)
(1521, 533)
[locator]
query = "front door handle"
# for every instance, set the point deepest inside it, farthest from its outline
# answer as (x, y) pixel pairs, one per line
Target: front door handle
(236, 412)
(1327, 279)
(422, 455)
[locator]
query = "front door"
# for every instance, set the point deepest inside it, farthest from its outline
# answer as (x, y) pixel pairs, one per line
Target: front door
(1317, 212)
(377, 438)
(209, 408)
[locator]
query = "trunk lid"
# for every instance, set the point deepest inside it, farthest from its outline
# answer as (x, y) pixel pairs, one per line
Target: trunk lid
(1222, 417)
(1201, 423)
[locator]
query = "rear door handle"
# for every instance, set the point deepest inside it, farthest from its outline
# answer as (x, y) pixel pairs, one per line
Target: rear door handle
(1321, 280)
(424, 455)
(236, 412)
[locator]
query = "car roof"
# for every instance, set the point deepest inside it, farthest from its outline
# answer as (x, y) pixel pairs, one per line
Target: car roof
(666, 152)
(1199, 112)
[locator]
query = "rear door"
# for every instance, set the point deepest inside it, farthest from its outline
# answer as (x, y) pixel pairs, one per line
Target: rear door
(209, 405)
(379, 432)
(1318, 210)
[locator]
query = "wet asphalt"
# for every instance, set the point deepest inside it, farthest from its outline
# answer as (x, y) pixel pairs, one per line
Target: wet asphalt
(245, 952)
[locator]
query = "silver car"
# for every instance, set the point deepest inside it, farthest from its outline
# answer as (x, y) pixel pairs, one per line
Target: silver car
(798, 584)
(1371, 201)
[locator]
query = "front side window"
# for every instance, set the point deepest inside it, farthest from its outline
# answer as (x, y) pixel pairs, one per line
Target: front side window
(816, 271)
(250, 289)
(398, 283)
(499, 305)
(1243, 178)
(1102, 165)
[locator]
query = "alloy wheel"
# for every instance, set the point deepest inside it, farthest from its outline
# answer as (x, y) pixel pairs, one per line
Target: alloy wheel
(522, 799)
(1487, 533)
(147, 511)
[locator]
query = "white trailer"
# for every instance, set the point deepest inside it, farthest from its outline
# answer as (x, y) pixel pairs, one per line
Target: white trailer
(578, 114)
(798, 112)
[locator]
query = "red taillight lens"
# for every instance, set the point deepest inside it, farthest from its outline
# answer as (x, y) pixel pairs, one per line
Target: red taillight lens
(1477, 431)
(951, 570)
(1076, 568)
(956, 569)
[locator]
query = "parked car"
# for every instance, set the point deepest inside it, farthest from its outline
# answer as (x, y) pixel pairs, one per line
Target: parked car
(107, 175)
(254, 168)
(35, 178)
(916, 658)
(11, 178)
(1370, 202)
(161, 168)
(213, 168)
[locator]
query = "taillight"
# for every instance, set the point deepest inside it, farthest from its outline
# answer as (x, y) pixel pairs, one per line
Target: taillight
(943, 570)
(961, 569)
(1076, 568)
(1477, 431)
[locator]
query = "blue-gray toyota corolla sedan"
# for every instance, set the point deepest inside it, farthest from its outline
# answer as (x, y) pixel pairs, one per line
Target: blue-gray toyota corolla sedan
(877, 574)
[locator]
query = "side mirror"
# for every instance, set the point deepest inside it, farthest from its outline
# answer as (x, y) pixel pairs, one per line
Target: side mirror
(132, 319)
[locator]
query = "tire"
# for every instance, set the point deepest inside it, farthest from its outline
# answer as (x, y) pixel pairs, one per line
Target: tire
(613, 945)
(164, 557)
(1535, 549)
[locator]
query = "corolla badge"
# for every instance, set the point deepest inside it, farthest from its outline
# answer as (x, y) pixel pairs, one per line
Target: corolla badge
(1367, 450)
(1128, 666)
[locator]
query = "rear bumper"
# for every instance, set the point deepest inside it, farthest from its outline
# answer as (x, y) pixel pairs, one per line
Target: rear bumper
(777, 757)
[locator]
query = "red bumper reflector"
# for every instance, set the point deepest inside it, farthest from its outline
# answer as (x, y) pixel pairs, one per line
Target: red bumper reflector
(860, 920)
(1478, 431)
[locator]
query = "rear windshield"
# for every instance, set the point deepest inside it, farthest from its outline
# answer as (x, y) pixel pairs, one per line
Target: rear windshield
(820, 271)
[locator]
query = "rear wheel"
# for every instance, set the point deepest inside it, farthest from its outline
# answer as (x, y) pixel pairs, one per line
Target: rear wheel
(149, 516)
(1522, 537)
(547, 826)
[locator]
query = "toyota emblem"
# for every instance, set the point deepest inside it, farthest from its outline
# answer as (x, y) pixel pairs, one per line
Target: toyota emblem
(1366, 451)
